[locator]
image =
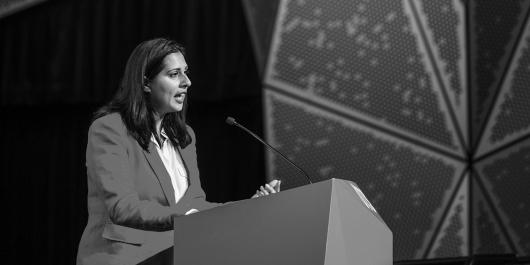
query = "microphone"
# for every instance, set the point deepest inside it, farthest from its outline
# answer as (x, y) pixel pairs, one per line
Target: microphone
(232, 121)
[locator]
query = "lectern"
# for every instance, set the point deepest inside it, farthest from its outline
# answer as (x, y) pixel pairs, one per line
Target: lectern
(329, 222)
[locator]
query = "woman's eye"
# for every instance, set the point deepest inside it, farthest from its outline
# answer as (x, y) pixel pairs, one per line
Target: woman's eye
(178, 73)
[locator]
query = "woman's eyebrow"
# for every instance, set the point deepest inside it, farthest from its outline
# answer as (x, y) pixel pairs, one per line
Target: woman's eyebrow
(178, 68)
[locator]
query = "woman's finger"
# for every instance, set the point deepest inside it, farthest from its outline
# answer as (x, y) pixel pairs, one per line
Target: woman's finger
(273, 182)
(257, 194)
(270, 189)
(263, 190)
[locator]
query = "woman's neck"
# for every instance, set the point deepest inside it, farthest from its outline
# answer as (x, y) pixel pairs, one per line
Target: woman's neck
(158, 122)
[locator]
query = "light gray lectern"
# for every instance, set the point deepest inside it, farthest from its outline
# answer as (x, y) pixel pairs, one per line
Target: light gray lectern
(330, 222)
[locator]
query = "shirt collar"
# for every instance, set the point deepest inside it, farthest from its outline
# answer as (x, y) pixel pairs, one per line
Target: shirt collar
(163, 137)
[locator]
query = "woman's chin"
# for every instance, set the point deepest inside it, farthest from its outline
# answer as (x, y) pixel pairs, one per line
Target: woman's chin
(176, 108)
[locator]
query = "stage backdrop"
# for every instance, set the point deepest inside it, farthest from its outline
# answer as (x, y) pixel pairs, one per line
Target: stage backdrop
(63, 59)
(424, 104)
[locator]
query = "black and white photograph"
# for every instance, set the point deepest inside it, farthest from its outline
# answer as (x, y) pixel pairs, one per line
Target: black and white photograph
(265, 132)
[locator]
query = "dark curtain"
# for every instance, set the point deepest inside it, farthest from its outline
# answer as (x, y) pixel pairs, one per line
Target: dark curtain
(62, 59)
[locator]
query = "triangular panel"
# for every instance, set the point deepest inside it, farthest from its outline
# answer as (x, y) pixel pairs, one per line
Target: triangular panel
(510, 118)
(488, 236)
(365, 59)
(506, 179)
(452, 240)
(493, 27)
(444, 23)
(408, 184)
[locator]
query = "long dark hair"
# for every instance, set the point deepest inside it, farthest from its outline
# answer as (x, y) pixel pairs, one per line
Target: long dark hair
(144, 63)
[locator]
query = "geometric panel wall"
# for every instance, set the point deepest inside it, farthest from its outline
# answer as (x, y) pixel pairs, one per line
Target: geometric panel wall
(390, 94)
(408, 185)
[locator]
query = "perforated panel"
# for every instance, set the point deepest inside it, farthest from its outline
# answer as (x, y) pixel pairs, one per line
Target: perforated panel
(506, 177)
(444, 24)
(452, 240)
(513, 116)
(408, 185)
(494, 29)
(510, 118)
(488, 235)
(363, 58)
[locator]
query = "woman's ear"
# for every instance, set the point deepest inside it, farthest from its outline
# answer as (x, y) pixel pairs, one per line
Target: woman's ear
(147, 89)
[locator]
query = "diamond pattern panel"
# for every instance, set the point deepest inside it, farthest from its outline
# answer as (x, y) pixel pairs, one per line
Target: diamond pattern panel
(364, 58)
(408, 185)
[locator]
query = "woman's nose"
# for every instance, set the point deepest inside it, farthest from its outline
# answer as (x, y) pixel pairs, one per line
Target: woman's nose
(186, 81)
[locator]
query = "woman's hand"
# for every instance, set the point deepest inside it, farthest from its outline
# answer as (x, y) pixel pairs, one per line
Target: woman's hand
(271, 187)
(191, 211)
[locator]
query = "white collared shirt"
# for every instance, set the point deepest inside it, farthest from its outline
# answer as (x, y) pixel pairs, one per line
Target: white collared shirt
(173, 163)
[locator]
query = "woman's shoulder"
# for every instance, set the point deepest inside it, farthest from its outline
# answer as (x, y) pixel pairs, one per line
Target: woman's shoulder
(190, 130)
(111, 121)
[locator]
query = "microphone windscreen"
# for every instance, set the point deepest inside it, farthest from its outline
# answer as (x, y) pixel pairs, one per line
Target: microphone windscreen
(230, 120)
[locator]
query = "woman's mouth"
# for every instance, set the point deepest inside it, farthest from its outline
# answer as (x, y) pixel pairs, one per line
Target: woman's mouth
(180, 97)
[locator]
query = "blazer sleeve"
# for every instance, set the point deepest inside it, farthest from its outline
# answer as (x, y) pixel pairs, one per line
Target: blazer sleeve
(108, 167)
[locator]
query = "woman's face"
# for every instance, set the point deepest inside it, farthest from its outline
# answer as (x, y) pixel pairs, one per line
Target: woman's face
(169, 87)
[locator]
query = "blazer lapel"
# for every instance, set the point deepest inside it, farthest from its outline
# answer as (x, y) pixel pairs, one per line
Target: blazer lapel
(161, 173)
(184, 162)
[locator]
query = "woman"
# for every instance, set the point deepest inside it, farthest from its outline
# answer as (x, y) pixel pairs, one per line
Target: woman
(141, 162)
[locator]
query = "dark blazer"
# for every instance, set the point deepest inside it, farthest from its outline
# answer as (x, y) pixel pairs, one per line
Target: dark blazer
(130, 196)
